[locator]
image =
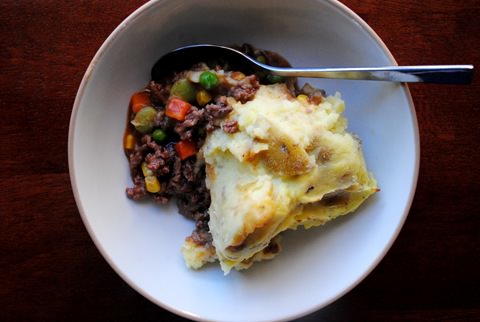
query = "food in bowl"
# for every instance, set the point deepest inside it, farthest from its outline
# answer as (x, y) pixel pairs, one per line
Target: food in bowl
(245, 156)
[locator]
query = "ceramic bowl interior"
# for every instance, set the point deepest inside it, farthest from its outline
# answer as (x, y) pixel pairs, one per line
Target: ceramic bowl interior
(142, 241)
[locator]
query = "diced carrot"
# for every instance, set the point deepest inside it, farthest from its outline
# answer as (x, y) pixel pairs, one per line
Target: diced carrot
(140, 100)
(177, 109)
(185, 149)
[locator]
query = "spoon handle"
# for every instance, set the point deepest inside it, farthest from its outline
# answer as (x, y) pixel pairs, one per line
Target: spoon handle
(441, 74)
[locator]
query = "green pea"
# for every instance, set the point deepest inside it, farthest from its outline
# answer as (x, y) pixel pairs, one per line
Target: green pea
(273, 79)
(145, 119)
(262, 59)
(208, 80)
(183, 89)
(158, 135)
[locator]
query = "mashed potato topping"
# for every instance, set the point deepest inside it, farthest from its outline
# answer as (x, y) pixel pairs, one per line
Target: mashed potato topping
(291, 163)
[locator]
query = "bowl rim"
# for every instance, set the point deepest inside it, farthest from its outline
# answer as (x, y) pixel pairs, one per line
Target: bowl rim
(184, 313)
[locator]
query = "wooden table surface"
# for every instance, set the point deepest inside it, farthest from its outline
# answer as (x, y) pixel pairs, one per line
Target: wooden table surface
(49, 267)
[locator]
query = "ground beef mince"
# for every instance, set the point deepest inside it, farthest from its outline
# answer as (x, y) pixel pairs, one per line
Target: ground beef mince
(201, 235)
(159, 93)
(197, 202)
(215, 112)
(185, 129)
(162, 138)
(160, 158)
(245, 89)
(230, 126)
(138, 191)
(136, 157)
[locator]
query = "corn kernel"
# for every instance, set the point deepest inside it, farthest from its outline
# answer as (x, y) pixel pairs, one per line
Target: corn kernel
(146, 171)
(203, 97)
(129, 142)
(303, 98)
(152, 184)
(238, 75)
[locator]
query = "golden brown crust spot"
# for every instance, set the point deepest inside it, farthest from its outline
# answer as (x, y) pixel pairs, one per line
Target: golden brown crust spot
(324, 155)
(284, 157)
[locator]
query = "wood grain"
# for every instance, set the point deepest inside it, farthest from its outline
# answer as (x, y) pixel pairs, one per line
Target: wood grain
(49, 267)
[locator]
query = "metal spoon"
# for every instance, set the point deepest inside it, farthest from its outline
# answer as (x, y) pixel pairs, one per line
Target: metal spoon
(183, 58)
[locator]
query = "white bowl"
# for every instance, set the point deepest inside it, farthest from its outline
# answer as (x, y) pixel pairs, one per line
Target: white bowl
(141, 241)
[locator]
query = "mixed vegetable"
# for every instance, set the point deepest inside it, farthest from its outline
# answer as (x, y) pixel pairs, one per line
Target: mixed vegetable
(177, 114)
(195, 89)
